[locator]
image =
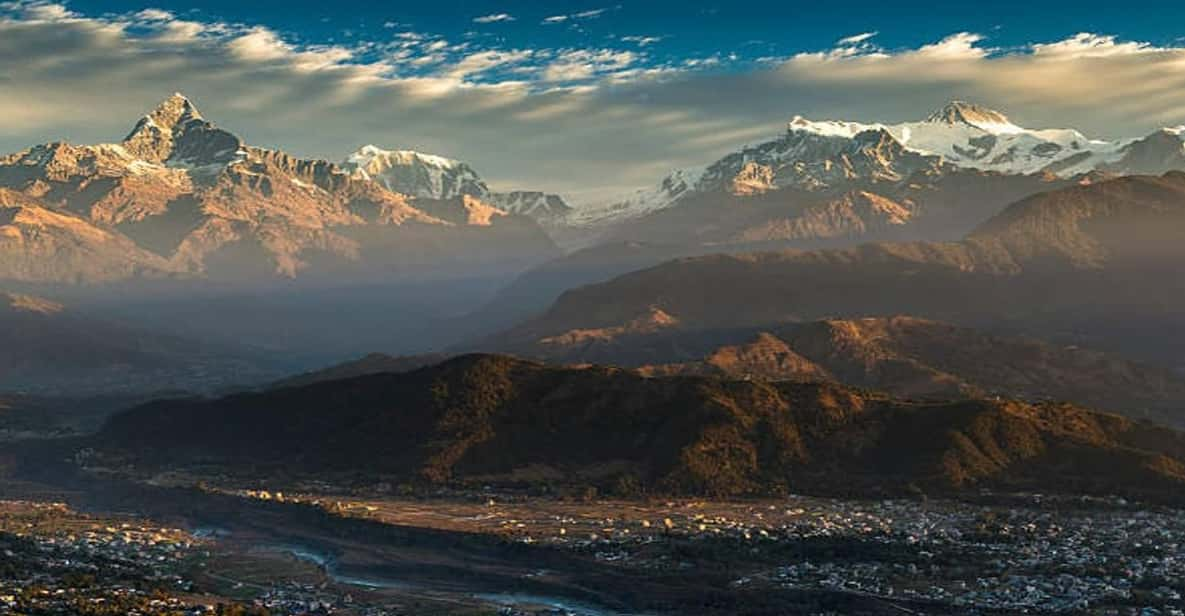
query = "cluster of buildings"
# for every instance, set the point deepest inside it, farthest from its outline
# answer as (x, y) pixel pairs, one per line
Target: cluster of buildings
(56, 561)
(1059, 556)
(1015, 554)
(52, 562)
(1033, 554)
(310, 599)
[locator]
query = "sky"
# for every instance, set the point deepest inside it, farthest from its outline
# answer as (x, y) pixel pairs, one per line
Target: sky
(588, 99)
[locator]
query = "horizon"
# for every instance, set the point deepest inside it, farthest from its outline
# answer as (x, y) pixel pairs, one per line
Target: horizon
(639, 94)
(597, 309)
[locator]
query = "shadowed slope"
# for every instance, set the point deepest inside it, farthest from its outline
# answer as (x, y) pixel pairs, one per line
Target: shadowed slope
(497, 419)
(1089, 259)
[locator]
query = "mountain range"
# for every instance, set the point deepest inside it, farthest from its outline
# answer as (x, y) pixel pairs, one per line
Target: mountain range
(904, 356)
(182, 197)
(917, 359)
(428, 176)
(848, 307)
(962, 217)
(1093, 266)
(1098, 263)
(489, 420)
(836, 185)
(834, 157)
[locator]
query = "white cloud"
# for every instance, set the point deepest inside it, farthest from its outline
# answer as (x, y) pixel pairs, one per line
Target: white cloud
(959, 46)
(155, 15)
(482, 61)
(493, 18)
(556, 19)
(178, 31)
(856, 38)
(516, 113)
(642, 41)
(582, 64)
(40, 11)
(259, 44)
(1086, 44)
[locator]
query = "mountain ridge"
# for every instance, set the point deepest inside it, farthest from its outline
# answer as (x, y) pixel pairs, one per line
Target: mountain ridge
(482, 419)
(1111, 248)
(209, 205)
(433, 177)
(958, 136)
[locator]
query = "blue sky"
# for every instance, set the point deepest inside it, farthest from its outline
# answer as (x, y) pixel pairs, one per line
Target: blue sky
(589, 99)
(692, 27)
(674, 31)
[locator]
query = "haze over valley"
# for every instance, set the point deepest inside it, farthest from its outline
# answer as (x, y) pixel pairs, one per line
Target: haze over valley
(589, 310)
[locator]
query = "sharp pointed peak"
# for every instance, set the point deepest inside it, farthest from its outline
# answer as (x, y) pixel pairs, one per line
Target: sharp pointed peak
(956, 106)
(177, 107)
(176, 129)
(963, 112)
(167, 116)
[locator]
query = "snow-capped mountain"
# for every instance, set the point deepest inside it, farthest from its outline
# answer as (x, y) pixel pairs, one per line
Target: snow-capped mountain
(428, 176)
(416, 174)
(679, 183)
(175, 133)
(180, 196)
(822, 156)
(543, 207)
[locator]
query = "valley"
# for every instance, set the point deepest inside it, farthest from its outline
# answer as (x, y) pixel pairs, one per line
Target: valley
(360, 552)
(924, 363)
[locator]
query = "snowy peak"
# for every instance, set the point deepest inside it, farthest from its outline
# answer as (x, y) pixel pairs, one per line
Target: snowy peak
(176, 132)
(961, 112)
(370, 153)
(878, 142)
(830, 156)
(826, 128)
(417, 174)
(175, 110)
(968, 113)
(541, 206)
(428, 176)
(680, 183)
(167, 118)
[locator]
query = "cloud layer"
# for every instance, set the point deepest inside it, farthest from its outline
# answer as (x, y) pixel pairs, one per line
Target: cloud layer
(590, 121)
